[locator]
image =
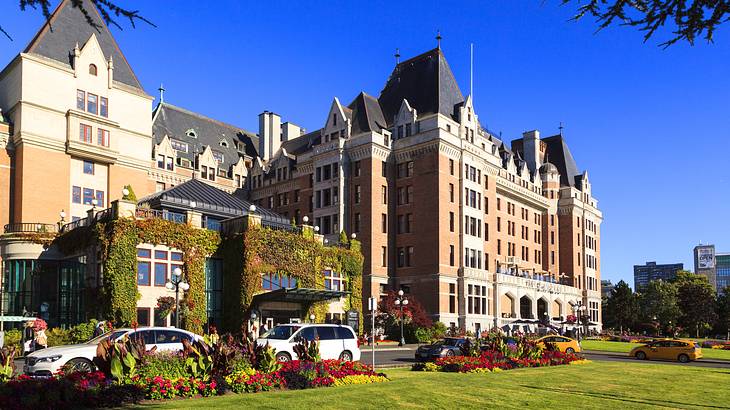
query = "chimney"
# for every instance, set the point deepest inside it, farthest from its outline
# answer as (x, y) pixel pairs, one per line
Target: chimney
(269, 134)
(531, 148)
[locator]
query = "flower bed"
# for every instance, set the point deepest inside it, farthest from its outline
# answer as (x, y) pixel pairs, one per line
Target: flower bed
(496, 361)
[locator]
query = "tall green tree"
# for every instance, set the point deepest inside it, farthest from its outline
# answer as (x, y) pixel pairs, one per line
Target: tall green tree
(659, 303)
(621, 308)
(722, 325)
(696, 301)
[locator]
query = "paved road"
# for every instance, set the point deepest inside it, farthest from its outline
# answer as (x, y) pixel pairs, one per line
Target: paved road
(403, 356)
(394, 356)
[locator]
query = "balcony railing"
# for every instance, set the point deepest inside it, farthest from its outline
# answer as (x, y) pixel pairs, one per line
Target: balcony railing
(30, 227)
(158, 214)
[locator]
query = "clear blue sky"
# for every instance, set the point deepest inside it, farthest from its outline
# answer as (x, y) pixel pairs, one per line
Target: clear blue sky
(652, 126)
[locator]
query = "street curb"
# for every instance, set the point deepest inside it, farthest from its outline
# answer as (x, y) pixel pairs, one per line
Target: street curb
(625, 355)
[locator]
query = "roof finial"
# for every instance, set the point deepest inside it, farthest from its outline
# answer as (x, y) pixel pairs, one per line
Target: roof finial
(438, 39)
(162, 93)
(397, 55)
(561, 128)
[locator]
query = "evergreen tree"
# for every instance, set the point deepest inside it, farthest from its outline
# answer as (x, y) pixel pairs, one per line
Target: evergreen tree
(621, 308)
(722, 325)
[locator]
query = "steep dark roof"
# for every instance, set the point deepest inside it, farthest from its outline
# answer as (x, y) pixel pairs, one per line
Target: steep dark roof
(428, 84)
(57, 38)
(366, 114)
(559, 155)
(176, 122)
(208, 200)
(303, 143)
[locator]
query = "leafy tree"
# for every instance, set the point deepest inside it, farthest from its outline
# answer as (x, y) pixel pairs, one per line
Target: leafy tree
(621, 307)
(414, 317)
(343, 238)
(722, 325)
(696, 301)
(691, 19)
(108, 9)
(659, 303)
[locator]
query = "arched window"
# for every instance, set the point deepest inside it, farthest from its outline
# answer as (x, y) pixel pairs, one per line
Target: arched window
(92, 69)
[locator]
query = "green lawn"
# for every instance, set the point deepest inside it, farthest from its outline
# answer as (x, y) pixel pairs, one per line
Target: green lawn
(625, 347)
(597, 385)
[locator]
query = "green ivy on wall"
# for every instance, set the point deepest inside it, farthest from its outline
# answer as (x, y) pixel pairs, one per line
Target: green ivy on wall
(118, 242)
(299, 256)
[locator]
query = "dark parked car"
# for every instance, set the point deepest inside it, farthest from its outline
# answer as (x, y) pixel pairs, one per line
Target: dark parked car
(450, 346)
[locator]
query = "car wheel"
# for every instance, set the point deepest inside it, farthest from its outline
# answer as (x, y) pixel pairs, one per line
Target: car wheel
(283, 357)
(570, 350)
(79, 365)
(683, 358)
(449, 353)
(641, 355)
(346, 356)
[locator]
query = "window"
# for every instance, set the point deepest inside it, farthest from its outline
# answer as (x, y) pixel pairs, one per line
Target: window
(333, 280)
(451, 192)
(92, 69)
(161, 162)
(451, 166)
(169, 163)
(274, 281)
(218, 156)
(85, 133)
(102, 137)
(384, 256)
(178, 145)
(143, 317)
(160, 273)
(160, 321)
(384, 169)
(100, 199)
(88, 196)
(356, 223)
(92, 103)
(451, 221)
(451, 257)
(104, 107)
(384, 223)
(88, 167)
(452, 298)
(358, 193)
(76, 195)
(159, 186)
(384, 194)
(143, 273)
(80, 99)
(356, 170)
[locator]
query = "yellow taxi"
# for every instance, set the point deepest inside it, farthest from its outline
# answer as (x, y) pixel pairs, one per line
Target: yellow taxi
(668, 349)
(562, 343)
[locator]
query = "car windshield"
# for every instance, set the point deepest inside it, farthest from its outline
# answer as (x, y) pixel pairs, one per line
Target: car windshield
(113, 335)
(449, 342)
(280, 332)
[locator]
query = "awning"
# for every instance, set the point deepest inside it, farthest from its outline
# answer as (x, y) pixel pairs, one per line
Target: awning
(299, 295)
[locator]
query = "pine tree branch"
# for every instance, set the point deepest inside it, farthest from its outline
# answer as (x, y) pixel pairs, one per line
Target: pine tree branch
(690, 19)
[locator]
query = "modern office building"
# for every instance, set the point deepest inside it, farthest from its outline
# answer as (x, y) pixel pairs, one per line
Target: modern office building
(436, 199)
(715, 266)
(643, 274)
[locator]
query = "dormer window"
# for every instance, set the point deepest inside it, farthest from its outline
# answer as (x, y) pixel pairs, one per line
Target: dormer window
(92, 69)
(334, 119)
(224, 143)
(191, 133)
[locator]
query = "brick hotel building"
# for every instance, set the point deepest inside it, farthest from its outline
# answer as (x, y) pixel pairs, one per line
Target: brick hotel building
(483, 231)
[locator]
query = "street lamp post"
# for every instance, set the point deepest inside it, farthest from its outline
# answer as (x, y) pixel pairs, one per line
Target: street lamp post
(578, 310)
(177, 283)
(401, 301)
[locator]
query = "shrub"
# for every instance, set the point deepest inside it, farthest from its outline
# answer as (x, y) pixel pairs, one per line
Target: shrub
(307, 350)
(165, 364)
(58, 337)
(83, 332)
(12, 338)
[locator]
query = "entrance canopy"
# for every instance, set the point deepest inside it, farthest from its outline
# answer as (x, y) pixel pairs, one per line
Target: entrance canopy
(298, 295)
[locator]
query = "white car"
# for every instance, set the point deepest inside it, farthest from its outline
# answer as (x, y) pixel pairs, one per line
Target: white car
(46, 362)
(335, 341)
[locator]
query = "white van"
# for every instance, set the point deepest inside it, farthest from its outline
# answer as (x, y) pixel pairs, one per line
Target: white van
(335, 341)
